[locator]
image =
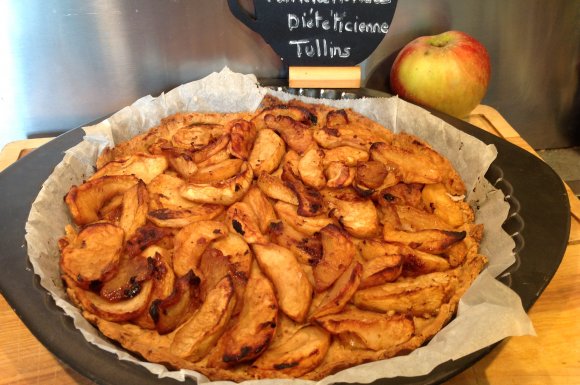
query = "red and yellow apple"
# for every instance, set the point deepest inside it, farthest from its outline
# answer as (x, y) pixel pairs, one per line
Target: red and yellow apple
(448, 72)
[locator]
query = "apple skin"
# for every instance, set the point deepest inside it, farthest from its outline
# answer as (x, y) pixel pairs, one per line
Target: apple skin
(448, 72)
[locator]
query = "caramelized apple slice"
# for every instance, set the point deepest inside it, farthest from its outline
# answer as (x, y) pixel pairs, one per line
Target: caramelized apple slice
(144, 237)
(309, 199)
(419, 263)
(240, 258)
(431, 241)
(306, 225)
(436, 197)
(370, 174)
(115, 311)
(243, 135)
(341, 292)
(194, 339)
(143, 166)
(94, 254)
(85, 201)
(297, 135)
(131, 274)
(172, 311)
(339, 175)
(349, 156)
(135, 206)
(223, 192)
(413, 219)
(311, 168)
(213, 147)
(163, 282)
(296, 355)
(373, 248)
(297, 113)
(423, 295)
(213, 267)
(345, 135)
(254, 328)
(217, 172)
(293, 289)
(308, 249)
(338, 253)
(275, 188)
(368, 330)
(164, 190)
(382, 269)
(358, 215)
(241, 219)
(267, 152)
(191, 241)
(261, 207)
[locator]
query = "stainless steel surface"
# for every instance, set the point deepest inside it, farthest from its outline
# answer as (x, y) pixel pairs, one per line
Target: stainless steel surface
(67, 62)
(566, 162)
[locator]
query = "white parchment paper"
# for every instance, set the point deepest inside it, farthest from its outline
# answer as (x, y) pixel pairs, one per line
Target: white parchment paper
(488, 312)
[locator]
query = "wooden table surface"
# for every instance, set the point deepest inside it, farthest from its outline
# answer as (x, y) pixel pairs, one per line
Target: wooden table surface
(550, 358)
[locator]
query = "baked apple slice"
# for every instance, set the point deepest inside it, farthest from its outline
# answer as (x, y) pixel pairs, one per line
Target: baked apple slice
(217, 172)
(267, 152)
(339, 175)
(243, 134)
(163, 282)
(240, 258)
(309, 199)
(436, 197)
(297, 135)
(275, 188)
(422, 295)
(213, 147)
(194, 339)
(293, 289)
(130, 275)
(191, 241)
(368, 330)
(431, 241)
(85, 201)
(135, 205)
(358, 215)
(261, 206)
(120, 311)
(94, 253)
(341, 292)
(338, 252)
(143, 166)
(296, 355)
(311, 168)
(349, 156)
(382, 269)
(241, 219)
(306, 225)
(170, 312)
(225, 192)
(255, 326)
(308, 249)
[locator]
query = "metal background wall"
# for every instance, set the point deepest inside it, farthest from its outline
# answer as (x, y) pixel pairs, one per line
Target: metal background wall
(67, 62)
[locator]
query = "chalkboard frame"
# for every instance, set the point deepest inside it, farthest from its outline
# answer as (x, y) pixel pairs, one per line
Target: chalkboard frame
(350, 39)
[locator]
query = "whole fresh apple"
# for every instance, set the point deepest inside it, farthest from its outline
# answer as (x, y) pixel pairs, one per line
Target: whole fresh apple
(448, 72)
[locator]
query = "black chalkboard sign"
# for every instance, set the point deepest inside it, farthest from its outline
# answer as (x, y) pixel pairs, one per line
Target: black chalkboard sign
(320, 32)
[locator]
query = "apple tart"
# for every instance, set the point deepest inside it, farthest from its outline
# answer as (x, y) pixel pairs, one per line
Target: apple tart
(290, 242)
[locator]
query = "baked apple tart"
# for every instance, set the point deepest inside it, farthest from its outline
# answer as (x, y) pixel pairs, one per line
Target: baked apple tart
(290, 242)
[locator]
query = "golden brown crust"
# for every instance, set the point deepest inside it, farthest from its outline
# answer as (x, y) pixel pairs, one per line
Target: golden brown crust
(294, 241)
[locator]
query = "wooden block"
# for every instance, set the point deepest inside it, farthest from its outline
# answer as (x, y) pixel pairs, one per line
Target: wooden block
(325, 77)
